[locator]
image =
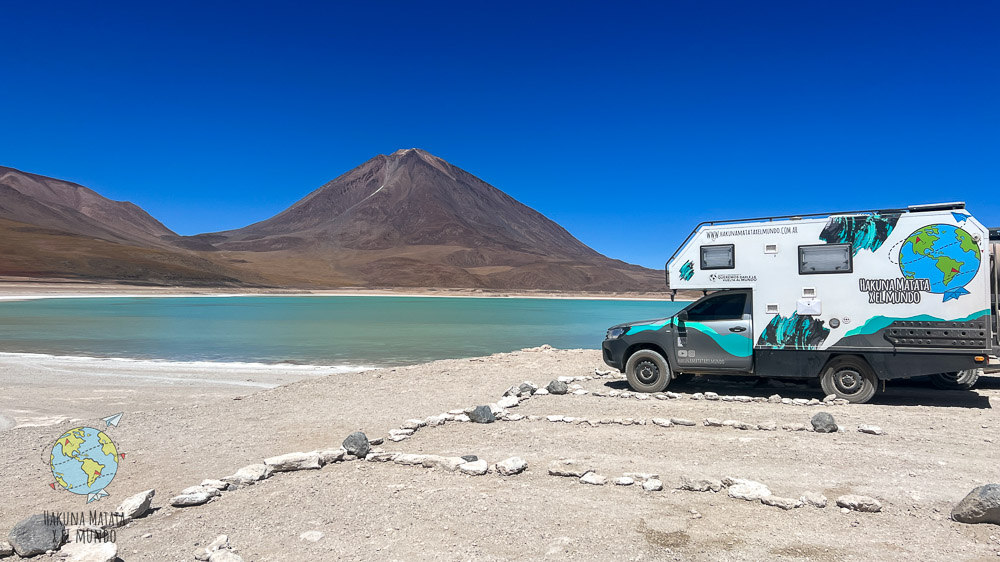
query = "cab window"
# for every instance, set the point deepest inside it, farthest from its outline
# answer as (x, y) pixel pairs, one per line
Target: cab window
(727, 306)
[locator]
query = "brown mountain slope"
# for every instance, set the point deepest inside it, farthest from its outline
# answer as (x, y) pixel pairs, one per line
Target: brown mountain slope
(70, 207)
(412, 219)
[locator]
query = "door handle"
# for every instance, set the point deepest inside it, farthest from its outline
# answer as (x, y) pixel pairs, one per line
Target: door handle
(737, 329)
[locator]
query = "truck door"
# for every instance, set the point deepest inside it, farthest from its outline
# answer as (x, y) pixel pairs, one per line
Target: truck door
(716, 334)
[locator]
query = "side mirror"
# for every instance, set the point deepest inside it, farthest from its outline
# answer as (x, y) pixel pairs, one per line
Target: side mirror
(682, 317)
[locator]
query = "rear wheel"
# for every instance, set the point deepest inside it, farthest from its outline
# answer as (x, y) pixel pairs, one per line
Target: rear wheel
(960, 380)
(647, 371)
(850, 378)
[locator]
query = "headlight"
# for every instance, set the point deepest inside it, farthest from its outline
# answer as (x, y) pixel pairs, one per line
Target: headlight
(615, 333)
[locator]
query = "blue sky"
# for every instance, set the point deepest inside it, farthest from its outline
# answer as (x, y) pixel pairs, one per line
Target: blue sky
(627, 123)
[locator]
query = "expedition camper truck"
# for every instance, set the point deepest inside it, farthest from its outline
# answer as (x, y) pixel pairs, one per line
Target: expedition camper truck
(851, 298)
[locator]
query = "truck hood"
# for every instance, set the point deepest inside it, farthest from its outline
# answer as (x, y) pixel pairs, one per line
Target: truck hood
(655, 321)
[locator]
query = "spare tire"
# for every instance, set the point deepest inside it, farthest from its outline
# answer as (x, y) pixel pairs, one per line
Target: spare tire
(961, 380)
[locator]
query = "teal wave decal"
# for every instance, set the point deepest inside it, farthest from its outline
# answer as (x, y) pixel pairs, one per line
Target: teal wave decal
(862, 232)
(687, 271)
(731, 343)
(877, 323)
(646, 327)
(796, 332)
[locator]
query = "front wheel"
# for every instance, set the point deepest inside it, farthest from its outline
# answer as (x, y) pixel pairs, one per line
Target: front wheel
(961, 380)
(647, 371)
(850, 378)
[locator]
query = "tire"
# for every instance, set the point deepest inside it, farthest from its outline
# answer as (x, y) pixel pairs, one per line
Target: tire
(850, 378)
(961, 380)
(647, 371)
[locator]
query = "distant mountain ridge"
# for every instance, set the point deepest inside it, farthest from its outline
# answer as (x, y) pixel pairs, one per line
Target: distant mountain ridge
(407, 219)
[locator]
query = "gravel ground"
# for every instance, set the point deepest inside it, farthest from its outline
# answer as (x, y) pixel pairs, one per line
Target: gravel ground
(938, 446)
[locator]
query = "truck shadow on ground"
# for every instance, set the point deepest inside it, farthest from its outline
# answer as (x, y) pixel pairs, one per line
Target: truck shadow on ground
(912, 392)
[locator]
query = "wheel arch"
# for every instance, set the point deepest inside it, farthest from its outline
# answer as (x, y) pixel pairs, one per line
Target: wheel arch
(646, 345)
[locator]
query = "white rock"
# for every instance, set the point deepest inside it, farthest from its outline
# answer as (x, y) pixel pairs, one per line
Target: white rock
(514, 417)
(409, 460)
(89, 552)
(554, 418)
(225, 556)
(567, 467)
(870, 429)
(6, 549)
(565, 379)
(642, 476)
(661, 422)
(475, 468)
(217, 484)
(783, 503)
(398, 438)
(456, 412)
(859, 503)
(248, 475)
(311, 536)
(682, 421)
(413, 424)
(749, 490)
(195, 495)
(697, 396)
(330, 456)
(136, 506)
(380, 456)
(462, 418)
(398, 432)
(508, 402)
(294, 461)
(623, 481)
(579, 392)
(513, 465)
(652, 485)
(713, 422)
(220, 542)
(593, 478)
(432, 421)
(449, 464)
(711, 396)
(541, 392)
(814, 499)
(673, 395)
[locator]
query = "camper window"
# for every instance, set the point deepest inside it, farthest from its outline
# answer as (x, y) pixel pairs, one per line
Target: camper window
(718, 257)
(725, 306)
(825, 258)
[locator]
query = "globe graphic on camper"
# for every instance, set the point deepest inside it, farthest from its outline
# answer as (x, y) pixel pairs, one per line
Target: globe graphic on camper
(84, 460)
(946, 255)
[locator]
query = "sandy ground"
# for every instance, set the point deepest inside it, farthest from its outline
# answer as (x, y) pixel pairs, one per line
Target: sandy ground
(938, 446)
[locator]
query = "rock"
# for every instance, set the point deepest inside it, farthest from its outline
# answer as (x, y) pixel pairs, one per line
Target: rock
(448, 464)
(219, 485)
(378, 441)
(800, 401)
(89, 552)
(136, 506)
(673, 395)
(614, 393)
(700, 484)
(743, 399)
(581, 392)
(470, 458)
(541, 392)
(768, 426)
(330, 456)
(711, 396)
(786, 401)
(730, 423)
(567, 468)
(225, 556)
(86, 533)
(396, 439)
(508, 402)
(661, 422)
(745, 426)
(511, 466)
(626, 394)
(823, 423)
(357, 444)
(774, 399)
(495, 408)
(981, 505)
(566, 379)
(513, 417)
(557, 387)
(814, 499)
(660, 396)
(248, 475)
(794, 426)
(641, 476)
(512, 391)
(36, 535)
(783, 503)
(413, 424)
(380, 456)
(830, 398)
(859, 503)
(682, 421)
(409, 460)
(554, 418)
(195, 495)
(652, 485)
(713, 422)
(482, 414)
(749, 490)
(593, 478)
(433, 421)
(455, 412)
(6, 549)
(697, 396)
(299, 461)
(527, 388)
(476, 468)
(624, 481)
(311, 536)
(727, 398)
(814, 402)
(870, 429)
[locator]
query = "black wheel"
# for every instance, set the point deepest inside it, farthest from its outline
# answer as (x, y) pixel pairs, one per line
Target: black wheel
(647, 371)
(961, 380)
(850, 378)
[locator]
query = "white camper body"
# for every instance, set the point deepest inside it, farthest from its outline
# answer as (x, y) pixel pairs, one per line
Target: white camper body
(851, 298)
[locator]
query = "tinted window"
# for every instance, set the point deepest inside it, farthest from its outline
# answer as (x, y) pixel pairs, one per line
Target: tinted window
(826, 258)
(722, 307)
(718, 257)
